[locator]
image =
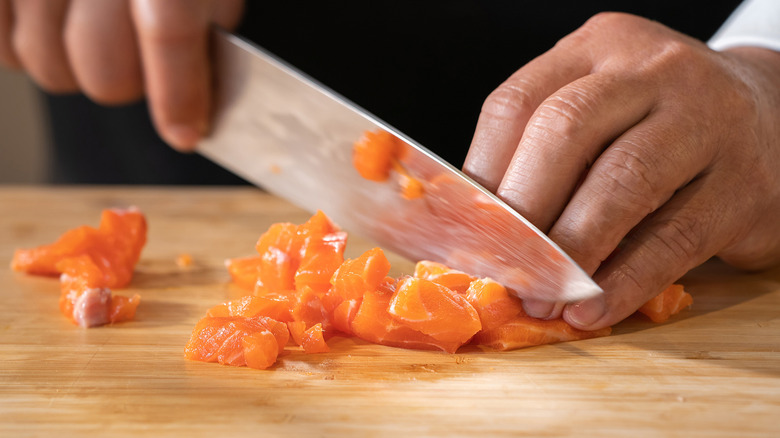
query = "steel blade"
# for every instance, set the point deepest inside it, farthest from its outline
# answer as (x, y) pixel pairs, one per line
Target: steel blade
(283, 131)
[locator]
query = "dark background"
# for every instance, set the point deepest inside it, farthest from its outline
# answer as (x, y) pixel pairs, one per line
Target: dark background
(423, 66)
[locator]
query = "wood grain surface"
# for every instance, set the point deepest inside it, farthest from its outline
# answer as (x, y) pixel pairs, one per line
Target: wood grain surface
(712, 371)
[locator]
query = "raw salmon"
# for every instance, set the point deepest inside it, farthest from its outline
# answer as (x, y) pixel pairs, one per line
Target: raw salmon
(234, 340)
(285, 246)
(411, 188)
(244, 271)
(378, 152)
(524, 331)
(275, 306)
(669, 302)
(311, 293)
(86, 300)
(374, 153)
(494, 305)
(438, 273)
(90, 263)
(434, 310)
(313, 341)
(375, 324)
(351, 281)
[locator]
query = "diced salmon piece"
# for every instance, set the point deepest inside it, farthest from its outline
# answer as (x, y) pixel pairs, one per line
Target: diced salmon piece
(312, 340)
(321, 259)
(351, 281)
(453, 279)
(373, 323)
(237, 341)
(669, 302)
(284, 248)
(123, 308)
(411, 188)
(434, 310)
(260, 349)
(493, 303)
(308, 308)
(296, 328)
(244, 271)
(373, 155)
(343, 315)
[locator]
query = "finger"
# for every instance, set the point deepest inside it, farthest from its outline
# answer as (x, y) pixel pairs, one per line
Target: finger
(507, 110)
(37, 42)
(563, 138)
(684, 233)
(632, 178)
(173, 42)
(100, 42)
(7, 56)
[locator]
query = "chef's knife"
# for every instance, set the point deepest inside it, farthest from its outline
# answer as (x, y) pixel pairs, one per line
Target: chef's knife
(283, 131)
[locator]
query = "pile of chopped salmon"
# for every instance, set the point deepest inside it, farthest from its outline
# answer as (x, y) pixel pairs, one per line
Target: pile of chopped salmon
(301, 289)
(304, 290)
(90, 262)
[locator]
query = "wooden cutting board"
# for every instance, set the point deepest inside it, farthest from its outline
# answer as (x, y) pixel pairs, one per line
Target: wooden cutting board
(712, 371)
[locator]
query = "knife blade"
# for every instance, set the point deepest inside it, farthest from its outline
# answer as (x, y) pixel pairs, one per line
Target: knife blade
(283, 131)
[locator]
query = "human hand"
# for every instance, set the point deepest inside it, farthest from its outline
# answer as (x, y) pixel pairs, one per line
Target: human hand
(628, 131)
(116, 51)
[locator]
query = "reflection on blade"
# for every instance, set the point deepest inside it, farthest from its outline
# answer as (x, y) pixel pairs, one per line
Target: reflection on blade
(288, 134)
(458, 223)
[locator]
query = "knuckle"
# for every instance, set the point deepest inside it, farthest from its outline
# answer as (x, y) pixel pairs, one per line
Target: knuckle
(565, 113)
(509, 101)
(626, 179)
(597, 24)
(634, 276)
(674, 52)
(680, 236)
(678, 59)
(605, 19)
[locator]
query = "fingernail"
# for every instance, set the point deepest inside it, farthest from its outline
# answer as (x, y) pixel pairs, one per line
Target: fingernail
(538, 309)
(182, 137)
(587, 312)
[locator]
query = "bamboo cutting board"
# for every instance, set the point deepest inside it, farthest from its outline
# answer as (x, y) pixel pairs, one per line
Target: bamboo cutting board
(714, 370)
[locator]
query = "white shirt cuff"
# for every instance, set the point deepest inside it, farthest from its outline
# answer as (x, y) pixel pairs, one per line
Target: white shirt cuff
(754, 23)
